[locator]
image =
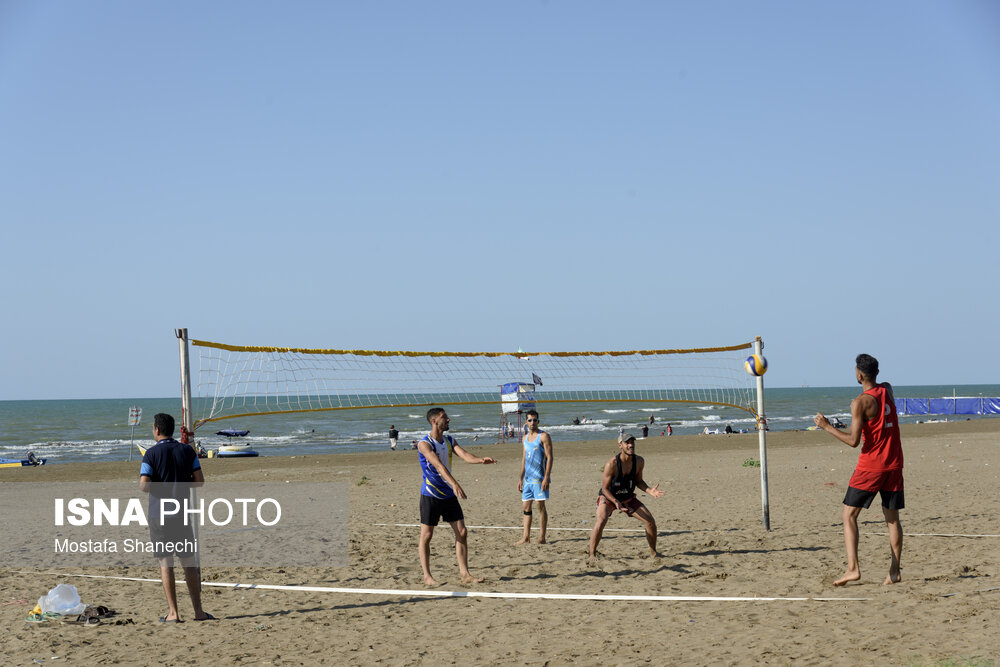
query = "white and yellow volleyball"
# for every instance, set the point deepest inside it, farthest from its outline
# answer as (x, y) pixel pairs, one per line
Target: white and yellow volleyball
(756, 364)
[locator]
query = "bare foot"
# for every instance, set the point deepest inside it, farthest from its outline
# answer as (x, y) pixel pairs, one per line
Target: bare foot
(431, 581)
(850, 575)
(469, 579)
(541, 540)
(654, 554)
(523, 540)
(892, 578)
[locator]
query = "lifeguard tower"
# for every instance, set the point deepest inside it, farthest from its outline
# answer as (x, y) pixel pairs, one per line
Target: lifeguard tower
(515, 398)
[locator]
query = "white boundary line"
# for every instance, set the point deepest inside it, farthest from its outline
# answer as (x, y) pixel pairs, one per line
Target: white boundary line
(661, 532)
(905, 534)
(606, 530)
(478, 594)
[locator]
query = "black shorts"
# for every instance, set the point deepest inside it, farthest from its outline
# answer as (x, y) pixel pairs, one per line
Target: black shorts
(631, 504)
(432, 509)
(891, 500)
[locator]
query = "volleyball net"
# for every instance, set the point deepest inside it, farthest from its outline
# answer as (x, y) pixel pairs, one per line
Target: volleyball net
(238, 381)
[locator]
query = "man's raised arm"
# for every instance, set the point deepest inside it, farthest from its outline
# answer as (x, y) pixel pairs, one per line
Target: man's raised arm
(470, 458)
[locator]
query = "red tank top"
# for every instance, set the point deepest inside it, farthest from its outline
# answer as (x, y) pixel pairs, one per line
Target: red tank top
(882, 449)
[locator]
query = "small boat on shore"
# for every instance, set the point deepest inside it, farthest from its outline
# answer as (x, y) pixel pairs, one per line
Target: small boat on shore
(28, 462)
(234, 451)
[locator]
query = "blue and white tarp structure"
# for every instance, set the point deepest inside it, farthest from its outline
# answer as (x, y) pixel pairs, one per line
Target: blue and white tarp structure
(517, 397)
(948, 406)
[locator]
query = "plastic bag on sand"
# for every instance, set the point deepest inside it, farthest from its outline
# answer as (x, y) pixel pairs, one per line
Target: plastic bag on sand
(63, 599)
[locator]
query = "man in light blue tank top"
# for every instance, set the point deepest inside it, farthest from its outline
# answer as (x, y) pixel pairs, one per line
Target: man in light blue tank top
(536, 473)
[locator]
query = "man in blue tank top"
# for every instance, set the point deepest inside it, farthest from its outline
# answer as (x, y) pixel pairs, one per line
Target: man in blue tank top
(536, 472)
(622, 476)
(440, 491)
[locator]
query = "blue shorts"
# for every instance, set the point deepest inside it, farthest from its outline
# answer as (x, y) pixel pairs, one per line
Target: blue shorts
(533, 491)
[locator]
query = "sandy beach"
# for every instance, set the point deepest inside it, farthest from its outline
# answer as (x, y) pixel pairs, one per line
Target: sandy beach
(710, 536)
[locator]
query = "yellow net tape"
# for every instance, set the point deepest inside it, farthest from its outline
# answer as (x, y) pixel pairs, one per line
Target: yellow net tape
(406, 353)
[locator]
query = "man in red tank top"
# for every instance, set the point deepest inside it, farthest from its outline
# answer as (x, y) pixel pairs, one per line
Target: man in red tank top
(879, 469)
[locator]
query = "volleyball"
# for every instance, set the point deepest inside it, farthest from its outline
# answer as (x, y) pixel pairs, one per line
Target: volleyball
(756, 364)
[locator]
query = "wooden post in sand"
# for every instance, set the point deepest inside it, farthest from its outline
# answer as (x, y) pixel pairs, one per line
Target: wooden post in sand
(758, 347)
(186, 420)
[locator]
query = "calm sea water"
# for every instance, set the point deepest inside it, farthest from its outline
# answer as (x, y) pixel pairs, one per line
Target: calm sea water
(68, 431)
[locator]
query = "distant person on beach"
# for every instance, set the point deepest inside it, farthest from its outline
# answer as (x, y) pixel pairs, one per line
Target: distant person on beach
(622, 476)
(652, 419)
(440, 492)
(645, 431)
(536, 474)
(729, 428)
(879, 469)
(393, 437)
(169, 462)
(670, 429)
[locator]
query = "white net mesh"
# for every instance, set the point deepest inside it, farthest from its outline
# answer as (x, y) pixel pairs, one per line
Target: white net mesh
(238, 381)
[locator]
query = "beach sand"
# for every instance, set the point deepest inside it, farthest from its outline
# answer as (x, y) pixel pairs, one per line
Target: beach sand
(710, 536)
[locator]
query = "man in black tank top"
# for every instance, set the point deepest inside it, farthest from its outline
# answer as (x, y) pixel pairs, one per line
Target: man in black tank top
(622, 476)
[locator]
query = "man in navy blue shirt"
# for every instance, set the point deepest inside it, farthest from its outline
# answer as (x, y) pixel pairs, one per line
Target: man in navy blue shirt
(170, 462)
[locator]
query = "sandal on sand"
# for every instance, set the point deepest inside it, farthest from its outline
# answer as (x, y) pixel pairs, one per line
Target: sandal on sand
(42, 618)
(84, 620)
(101, 612)
(208, 617)
(163, 619)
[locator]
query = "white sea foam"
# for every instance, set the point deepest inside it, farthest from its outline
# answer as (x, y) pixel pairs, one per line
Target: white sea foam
(559, 428)
(809, 417)
(89, 448)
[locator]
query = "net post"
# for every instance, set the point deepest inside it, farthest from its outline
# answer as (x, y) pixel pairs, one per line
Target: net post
(758, 348)
(187, 420)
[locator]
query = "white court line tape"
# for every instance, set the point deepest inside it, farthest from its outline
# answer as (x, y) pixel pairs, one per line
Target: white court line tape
(905, 534)
(606, 530)
(478, 594)
(661, 532)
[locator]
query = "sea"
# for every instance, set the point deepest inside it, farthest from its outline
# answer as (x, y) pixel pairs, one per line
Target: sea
(84, 430)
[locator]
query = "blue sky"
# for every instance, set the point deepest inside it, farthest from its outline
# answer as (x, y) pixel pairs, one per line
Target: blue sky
(482, 176)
